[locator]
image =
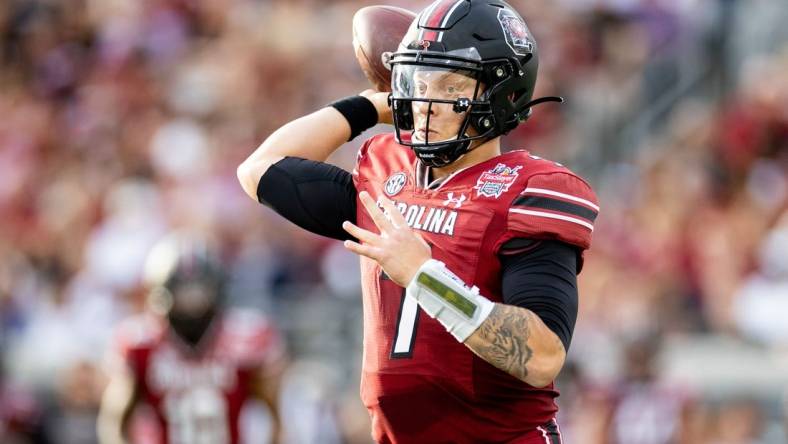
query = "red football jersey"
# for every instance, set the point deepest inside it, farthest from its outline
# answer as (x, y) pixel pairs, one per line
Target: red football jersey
(197, 394)
(418, 382)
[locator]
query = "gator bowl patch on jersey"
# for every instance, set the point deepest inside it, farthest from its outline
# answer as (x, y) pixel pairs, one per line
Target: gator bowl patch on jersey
(494, 182)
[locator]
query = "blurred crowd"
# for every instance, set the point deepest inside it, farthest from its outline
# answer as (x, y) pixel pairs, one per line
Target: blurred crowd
(121, 120)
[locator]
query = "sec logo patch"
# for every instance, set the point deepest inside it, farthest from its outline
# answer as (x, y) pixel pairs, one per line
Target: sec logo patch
(395, 183)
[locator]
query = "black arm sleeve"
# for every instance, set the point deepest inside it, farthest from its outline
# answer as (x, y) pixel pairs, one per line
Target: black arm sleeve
(314, 195)
(543, 279)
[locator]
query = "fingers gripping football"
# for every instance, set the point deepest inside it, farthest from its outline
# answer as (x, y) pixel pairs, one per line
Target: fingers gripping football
(399, 250)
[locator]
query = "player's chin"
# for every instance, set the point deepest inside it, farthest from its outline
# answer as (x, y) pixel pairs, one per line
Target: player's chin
(434, 136)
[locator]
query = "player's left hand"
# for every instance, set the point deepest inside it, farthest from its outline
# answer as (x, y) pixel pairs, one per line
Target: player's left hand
(399, 250)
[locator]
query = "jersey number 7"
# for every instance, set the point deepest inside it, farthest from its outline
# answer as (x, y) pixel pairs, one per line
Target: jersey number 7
(405, 334)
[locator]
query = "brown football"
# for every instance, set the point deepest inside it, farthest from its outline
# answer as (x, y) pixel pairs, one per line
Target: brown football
(376, 30)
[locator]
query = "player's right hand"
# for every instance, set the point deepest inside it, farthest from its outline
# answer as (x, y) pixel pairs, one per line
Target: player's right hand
(381, 102)
(399, 249)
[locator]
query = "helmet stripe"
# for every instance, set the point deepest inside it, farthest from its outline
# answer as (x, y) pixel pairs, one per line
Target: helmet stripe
(424, 19)
(436, 16)
(451, 11)
(448, 15)
(429, 35)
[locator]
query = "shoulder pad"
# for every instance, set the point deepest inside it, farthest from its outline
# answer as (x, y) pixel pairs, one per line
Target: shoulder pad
(379, 155)
(554, 205)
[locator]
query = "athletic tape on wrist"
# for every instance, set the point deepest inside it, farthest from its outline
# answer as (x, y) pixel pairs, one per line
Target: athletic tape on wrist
(445, 297)
(359, 112)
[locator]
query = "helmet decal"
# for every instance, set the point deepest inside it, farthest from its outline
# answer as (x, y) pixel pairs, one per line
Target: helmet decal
(516, 32)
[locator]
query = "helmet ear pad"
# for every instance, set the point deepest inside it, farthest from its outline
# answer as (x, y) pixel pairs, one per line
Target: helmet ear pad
(482, 118)
(506, 95)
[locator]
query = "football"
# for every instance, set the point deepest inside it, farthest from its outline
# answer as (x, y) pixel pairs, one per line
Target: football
(377, 30)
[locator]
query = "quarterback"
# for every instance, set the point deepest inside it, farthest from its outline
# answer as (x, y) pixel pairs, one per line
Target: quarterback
(469, 257)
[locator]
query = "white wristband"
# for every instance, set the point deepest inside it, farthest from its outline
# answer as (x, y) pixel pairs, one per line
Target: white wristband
(444, 296)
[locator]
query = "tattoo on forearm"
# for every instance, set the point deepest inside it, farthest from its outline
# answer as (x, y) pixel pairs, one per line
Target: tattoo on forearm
(504, 340)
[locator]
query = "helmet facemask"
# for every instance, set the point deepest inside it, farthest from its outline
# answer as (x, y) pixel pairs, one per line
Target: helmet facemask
(194, 307)
(438, 102)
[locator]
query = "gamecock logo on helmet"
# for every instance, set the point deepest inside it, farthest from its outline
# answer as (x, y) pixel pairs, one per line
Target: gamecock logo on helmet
(517, 34)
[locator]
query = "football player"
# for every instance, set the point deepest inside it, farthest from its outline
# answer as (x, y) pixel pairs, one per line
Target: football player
(469, 256)
(192, 360)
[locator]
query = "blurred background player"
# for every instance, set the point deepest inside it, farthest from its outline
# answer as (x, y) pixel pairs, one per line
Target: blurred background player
(194, 361)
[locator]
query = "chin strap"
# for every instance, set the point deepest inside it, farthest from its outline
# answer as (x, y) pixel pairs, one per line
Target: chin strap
(528, 106)
(546, 99)
(445, 297)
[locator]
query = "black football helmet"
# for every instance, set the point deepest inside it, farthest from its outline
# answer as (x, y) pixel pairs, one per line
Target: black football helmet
(485, 40)
(187, 284)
